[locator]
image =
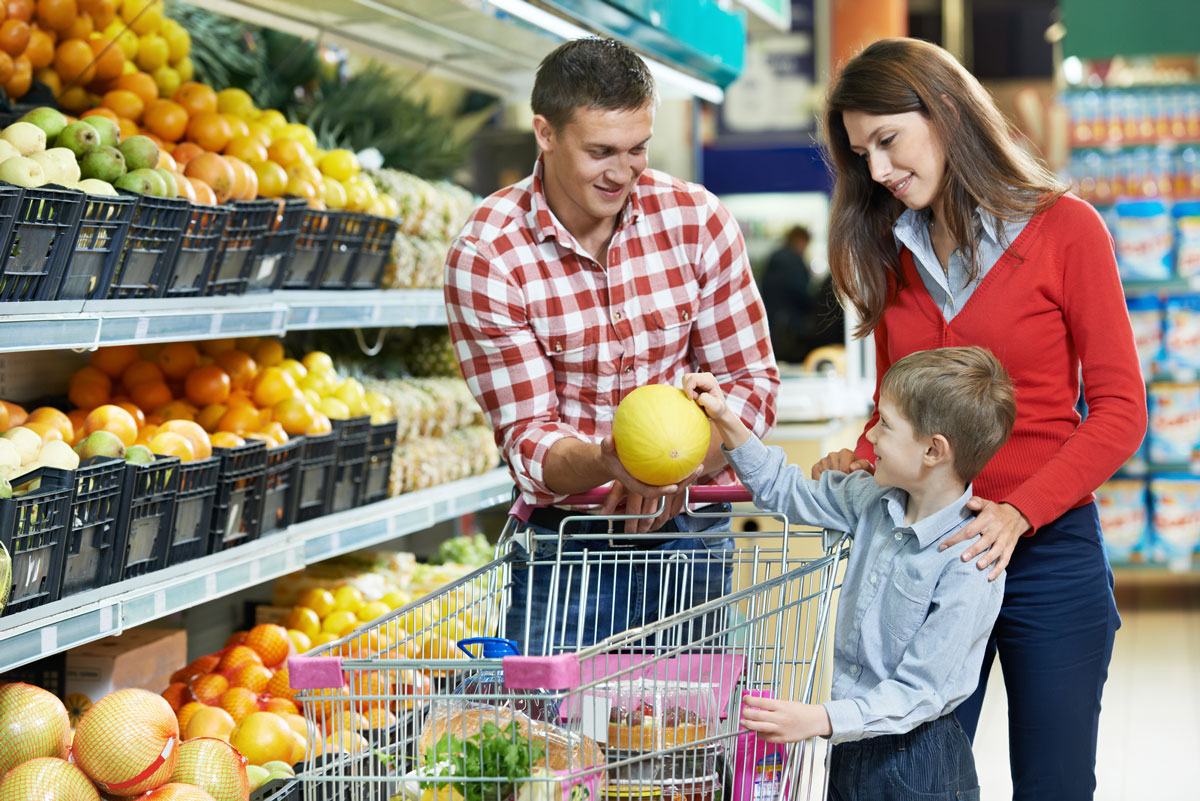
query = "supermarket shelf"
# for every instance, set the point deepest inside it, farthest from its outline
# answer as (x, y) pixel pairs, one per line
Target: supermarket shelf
(1143, 574)
(90, 324)
(113, 609)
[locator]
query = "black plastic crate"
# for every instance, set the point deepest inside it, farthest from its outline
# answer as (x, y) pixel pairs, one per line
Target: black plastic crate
(49, 673)
(39, 243)
(193, 510)
(103, 227)
(237, 513)
(380, 233)
(34, 529)
(354, 435)
(309, 250)
(380, 447)
(318, 462)
(281, 486)
(95, 525)
(249, 221)
(147, 512)
(197, 251)
(269, 263)
(345, 244)
(150, 247)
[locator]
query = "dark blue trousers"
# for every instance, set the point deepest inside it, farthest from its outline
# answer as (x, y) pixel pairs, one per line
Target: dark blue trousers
(933, 762)
(1054, 638)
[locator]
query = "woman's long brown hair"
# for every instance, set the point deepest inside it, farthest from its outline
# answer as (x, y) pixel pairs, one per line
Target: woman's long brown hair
(985, 167)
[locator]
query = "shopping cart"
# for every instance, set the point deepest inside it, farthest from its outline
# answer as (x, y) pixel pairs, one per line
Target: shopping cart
(402, 709)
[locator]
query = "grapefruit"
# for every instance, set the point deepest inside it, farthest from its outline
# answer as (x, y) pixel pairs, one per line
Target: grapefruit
(263, 737)
(128, 742)
(660, 434)
(177, 792)
(33, 723)
(47, 779)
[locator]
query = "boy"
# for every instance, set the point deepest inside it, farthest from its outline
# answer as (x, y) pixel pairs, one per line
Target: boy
(912, 621)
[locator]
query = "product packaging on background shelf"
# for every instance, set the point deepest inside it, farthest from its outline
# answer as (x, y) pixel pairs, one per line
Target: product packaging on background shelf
(143, 657)
(1146, 319)
(1145, 238)
(1123, 506)
(1187, 239)
(1181, 334)
(1175, 504)
(1174, 430)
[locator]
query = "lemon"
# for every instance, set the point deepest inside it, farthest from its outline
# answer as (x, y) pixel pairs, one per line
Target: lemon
(152, 53)
(185, 68)
(373, 609)
(272, 118)
(320, 600)
(334, 194)
(347, 598)
(235, 101)
(168, 81)
(339, 623)
(304, 620)
(396, 598)
(297, 370)
(351, 393)
(334, 409)
(340, 164)
(179, 41)
(301, 640)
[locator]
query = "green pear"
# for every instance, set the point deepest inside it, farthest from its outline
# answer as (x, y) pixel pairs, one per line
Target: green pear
(5, 492)
(110, 134)
(101, 443)
(280, 769)
(139, 454)
(158, 187)
(105, 163)
(49, 119)
(135, 181)
(258, 776)
(140, 152)
(168, 179)
(79, 137)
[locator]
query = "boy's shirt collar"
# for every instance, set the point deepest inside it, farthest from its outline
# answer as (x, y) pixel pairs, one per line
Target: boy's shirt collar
(934, 527)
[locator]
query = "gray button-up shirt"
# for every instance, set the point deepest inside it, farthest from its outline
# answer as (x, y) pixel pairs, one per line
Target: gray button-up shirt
(912, 621)
(950, 288)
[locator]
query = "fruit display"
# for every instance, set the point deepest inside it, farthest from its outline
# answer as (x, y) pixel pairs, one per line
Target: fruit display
(431, 215)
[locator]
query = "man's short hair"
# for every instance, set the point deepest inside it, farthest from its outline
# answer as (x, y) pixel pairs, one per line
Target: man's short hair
(964, 394)
(590, 73)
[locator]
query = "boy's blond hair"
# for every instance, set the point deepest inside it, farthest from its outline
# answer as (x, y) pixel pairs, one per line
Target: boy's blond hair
(964, 394)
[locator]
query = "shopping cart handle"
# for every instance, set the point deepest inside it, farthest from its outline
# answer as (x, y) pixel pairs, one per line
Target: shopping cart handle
(733, 493)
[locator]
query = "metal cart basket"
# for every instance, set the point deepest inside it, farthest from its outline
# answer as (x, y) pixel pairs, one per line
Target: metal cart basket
(433, 702)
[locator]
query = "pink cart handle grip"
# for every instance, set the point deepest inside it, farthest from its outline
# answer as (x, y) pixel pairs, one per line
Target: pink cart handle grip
(734, 493)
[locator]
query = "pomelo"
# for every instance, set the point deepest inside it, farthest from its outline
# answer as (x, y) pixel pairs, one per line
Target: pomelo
(177, 792)
(661, 435)
(33, 723)
(127, 743)
(47, 779)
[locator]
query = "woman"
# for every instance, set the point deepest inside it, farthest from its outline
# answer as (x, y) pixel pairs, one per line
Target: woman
(945, 233)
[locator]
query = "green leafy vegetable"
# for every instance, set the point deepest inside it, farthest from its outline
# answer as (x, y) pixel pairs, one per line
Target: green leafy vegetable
(495, 753)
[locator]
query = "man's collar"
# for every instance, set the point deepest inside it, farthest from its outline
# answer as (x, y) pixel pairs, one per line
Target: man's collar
(545, 225)
(933, 528)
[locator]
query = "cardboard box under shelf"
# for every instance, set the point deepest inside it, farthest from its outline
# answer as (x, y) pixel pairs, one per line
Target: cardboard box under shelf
(141, 657)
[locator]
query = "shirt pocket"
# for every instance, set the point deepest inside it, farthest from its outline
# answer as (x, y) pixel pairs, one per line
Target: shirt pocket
(906, 603)
(670, 330)
(564, 345)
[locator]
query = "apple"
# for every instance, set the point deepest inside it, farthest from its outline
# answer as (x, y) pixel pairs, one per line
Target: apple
(79, 137)
(94, 186)
(103, 163)
(50, 120)
(22, 171)
(257, 776)
(33, 723)
(140, 152)
(110, 134)
(25, 137)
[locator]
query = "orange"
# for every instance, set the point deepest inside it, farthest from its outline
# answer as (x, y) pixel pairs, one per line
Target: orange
(73, 99)
(296, 416)
(286, 152)
(100, 111)
(210, 416)
(150, 395)
(261, 437)
(168, 443)
(135, 410)
(215, 171)
(184, 186)
(275, 431)
(128, 128)
(210, 130)
(72, 61)
(40, 49)
(50, 78)
(238, 420)
(185, 152)
(263, 737)
(110, 58)
(272, 179)
(81, 27)
(321, 425)
(246, 148)
(196, 98)
(268, 352)
(16, 413)
(238, 657)
(140, 372)
(209, 721)
(113, 360)
(239, 702)
(164, 118)
(141, 85)
(271, 386)
(195, 434)
(245, 183)
(7, 67)
(113, 419)
(215, 347)
(14, 36)
(227, 439)
(177, 694)
(270, 642)
(102, 12)
(55, 418)
(252, 677)
(21, 79)
(207, 385)
(240, 366)
(176, 410)
(205, 196)
(186, 711)
(177, 359)
(237, 125)
(281, 706)
(46, 431)
(77, 417)
(88, 374)
(125, 103)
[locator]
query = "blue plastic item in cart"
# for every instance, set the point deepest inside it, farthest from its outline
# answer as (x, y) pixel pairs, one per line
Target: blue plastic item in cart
(491, 682)
(1146, 319)
(1144, 236)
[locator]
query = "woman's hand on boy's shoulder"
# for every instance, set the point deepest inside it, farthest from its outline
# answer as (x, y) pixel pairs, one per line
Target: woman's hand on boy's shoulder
(778, 721)
(844, 461)
(999, 527)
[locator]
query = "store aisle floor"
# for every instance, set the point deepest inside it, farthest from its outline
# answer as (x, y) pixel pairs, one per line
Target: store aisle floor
(1150, 724)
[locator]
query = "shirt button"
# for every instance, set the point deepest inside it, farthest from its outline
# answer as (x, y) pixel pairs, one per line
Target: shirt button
(629, 369)
(874, 577)
(853, 671)
(558, 347)
(899, 536)
(687, 315)
(616, 315)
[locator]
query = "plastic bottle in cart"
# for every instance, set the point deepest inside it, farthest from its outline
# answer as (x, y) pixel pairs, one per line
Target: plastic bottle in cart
(758, 765)
(491, 682)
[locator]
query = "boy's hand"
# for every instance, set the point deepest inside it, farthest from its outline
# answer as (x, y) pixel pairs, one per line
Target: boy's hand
(704, 390)
(779, 721)
(999, 527)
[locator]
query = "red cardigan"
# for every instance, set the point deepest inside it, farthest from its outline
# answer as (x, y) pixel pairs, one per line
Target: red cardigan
(1051, 303)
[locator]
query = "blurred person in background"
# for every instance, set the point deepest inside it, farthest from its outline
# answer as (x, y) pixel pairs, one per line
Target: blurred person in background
(786, 294)
(945, 233)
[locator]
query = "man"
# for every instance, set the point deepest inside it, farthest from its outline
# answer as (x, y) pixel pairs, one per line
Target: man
(571, 288)
(785, 289)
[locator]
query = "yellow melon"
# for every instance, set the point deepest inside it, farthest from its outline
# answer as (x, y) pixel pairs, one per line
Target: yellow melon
(660, 434)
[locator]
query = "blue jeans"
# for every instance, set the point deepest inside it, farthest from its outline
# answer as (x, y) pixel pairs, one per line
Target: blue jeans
(1054, 637)
(625, 588)
(933, 762)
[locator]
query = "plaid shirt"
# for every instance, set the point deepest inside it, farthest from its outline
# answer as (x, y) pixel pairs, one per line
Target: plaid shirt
(550, 341)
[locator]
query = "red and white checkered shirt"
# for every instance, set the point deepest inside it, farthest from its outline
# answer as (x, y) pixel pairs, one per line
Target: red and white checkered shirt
(550, 341)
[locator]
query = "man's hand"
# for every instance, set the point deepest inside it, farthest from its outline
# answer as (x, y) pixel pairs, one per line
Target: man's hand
(641, 498)
(843, 461)
(784, 721)
(999, 527)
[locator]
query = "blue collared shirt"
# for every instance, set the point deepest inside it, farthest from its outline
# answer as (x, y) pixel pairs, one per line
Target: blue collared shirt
(950, 288)
(912, 621)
